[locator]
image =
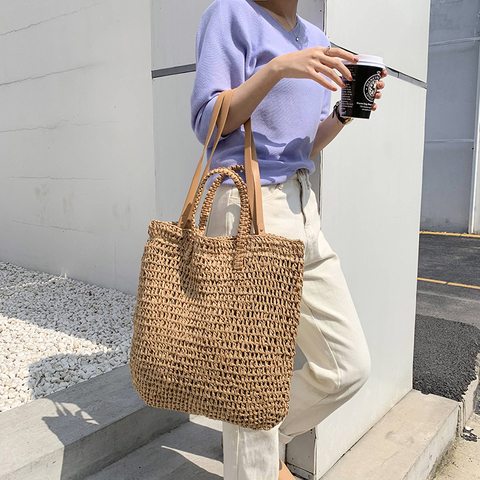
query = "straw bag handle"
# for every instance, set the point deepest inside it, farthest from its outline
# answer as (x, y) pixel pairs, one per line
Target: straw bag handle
(244, 223)
(252, 173)
(208, 201)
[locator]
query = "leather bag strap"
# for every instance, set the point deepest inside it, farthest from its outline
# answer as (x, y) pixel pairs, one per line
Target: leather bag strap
(252, 173)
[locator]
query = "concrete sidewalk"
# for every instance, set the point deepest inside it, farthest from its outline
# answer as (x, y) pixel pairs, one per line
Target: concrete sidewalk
(462, 461)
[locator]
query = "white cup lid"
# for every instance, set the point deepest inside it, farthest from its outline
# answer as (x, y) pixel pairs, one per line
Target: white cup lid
(362, 58)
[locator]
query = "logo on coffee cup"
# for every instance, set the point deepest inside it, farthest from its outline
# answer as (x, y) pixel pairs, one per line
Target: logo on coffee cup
(370, 87)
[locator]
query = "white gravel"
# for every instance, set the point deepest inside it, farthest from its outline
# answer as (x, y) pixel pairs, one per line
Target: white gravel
(56, 332)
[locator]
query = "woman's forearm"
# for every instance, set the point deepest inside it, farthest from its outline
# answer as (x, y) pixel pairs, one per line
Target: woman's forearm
(249, 94)
(327, 130)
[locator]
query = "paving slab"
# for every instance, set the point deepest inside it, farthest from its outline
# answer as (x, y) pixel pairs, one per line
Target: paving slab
(190, 451)
(406, 443)
(79, 430)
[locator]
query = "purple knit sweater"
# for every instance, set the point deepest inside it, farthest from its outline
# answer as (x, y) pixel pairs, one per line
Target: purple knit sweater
(235, 39)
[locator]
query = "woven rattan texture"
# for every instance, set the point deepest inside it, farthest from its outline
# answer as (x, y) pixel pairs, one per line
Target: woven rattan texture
(210, 339)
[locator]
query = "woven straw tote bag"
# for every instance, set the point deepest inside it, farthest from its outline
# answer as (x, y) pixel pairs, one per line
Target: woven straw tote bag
(215, 320)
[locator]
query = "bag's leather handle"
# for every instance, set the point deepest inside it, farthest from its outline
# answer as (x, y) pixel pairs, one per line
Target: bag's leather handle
(252, 174)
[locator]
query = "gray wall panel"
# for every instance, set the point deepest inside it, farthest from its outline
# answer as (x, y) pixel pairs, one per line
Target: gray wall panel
(453, 19)
(446, 187)
(451, 123)
(452, 84)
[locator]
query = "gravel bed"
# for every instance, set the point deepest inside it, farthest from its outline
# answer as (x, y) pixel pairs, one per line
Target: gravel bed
(56, 332)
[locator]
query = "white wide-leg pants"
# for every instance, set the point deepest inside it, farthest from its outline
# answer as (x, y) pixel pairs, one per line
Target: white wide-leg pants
(329, 333)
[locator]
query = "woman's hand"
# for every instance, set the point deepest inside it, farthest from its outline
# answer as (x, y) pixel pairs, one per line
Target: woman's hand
(310, 62)
(380, 85)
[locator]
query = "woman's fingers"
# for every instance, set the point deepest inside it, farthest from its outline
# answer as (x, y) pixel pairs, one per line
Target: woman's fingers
(340, 52)
(330, 73)
(338, 80)
(326, 63)
(380, 85)
(327, 59)
(377, 95)
(323, 81)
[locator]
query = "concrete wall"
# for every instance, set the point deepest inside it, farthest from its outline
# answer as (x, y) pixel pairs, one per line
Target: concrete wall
(452, 118)
(77, 181)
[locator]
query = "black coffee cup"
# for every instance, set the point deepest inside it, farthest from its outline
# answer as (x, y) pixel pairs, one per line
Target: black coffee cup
(358, 95)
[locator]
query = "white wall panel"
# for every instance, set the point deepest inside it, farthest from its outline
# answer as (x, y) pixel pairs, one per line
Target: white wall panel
(177, 149)
(76, 138)
(175, 25)
(395, 30)
(370, 205)
(313, 11)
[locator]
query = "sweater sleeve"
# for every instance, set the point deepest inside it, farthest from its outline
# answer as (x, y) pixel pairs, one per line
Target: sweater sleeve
(222, 51)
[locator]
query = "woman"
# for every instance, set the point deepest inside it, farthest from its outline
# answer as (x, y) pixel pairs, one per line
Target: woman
(280, 66)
